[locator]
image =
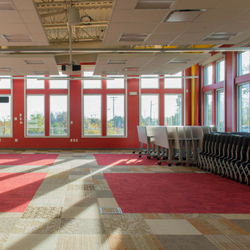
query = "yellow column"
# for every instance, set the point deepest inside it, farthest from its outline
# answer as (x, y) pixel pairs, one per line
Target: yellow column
(193, 73)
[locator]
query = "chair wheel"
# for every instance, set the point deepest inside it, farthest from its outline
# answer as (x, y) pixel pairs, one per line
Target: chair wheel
(133, 152)
(169, 164)
(190, 165)
(148, 157)
(139, 153)
(184, 164)
(139, 156)
(159, 163)
(165, 158)
(157, 158)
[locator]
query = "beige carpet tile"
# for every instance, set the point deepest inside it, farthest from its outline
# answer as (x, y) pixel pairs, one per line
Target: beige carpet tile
(104, 194)
(98, 177)
(97, 182)
(85, 187)
(82, 226)
(244, 224)
(90, 212)
(81, 202)
(125, 224)
(10, 215)
(162, 216)
(171, 227)
(82, 242)
(217, 227)
(110, 210)
(230, 242)
(134, 242)
(236, 216)
(3, 239)
(37, 226)
(42, 212)
(202, 216)
(107, 202)
(187, 242)
(80, 194)
(102, 187)
(8, 224)
(32, 241)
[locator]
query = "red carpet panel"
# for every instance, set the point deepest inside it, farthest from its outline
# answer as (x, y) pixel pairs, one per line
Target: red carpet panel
(178, 193)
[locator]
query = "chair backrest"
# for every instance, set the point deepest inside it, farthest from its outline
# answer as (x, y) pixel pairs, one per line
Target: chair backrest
(142, 134)
(206, 130)
(161, 137)
(173, 135)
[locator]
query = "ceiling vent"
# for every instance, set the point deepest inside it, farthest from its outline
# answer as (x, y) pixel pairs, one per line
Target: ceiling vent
(117, 61)
(180, 60)
(130, 69)
(184, 15)
(109, 73)
(41, 72)
(161, 72)
(133, 37)
(220, 36)
(18, 38)
(5, 70)
(153, 4)
(34, 61)
(6, 5)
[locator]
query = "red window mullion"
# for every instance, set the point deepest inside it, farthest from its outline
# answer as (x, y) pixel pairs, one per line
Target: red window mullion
(104, 109)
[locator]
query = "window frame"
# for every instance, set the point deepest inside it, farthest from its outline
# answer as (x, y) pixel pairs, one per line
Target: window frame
(182, 82)
(26, 82)
(82, 82)
(205, 75)
(205, 107)
(116, 78)
(218, 70)
(158, 81)
(218, 91)
(239, 63)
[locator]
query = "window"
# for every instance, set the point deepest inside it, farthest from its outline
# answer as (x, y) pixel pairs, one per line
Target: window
(117, 83)
(34, 83)
(243, 63)
(149, 83)
(56, 84)
(92, 114)
(173, 83)
(115, 114)
(58, 115)
(5, 115)
(5, 83)
(91, 84)
(173, 109)
(220, 111)
(208, 75)
(208, 109)
(35, 114)
(149, 109)
(243, 108)
(220, 71)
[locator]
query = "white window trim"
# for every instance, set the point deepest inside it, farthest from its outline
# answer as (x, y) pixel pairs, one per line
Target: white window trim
(124, 82)
(182, 82)
(26, 84)
(157, 77)
(216, 69)
(217, 106)
(205, 75)
(205, 106)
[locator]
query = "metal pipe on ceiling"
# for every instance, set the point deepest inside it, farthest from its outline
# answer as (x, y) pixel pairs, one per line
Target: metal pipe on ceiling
(64, 25)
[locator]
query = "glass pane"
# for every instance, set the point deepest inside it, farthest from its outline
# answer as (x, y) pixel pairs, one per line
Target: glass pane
(173, 83)
(149, 110)
(173, 109)
(220, 111)
(244, 63)
(56, 84)
(92, 115)
(91, 84)
(244, 108)
(152, 83)
(208, 109)
(5, 115)
(115, 84)
(208, 75)
(115, 114)
(34, 83)
(35, 115)
(220, 71)
(58, 115)
(4, 83)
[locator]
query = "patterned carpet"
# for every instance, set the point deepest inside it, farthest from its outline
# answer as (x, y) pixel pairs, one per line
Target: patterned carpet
(64, 213)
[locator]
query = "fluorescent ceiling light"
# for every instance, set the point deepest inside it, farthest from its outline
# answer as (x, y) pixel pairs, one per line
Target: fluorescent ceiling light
(6, 5)
(154, 5)
(34, 61)
(17, 38)
(180, 60)
(220, 36)
(133, 37)
(5, 69)
(183, 15)
(109, 73)
(130, 69)
(117, 61)
(41, 72)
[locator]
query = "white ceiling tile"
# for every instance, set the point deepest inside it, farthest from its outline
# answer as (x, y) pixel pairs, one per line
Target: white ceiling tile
(112, 37)
(235, 27)
(35, 28)
(172, 27)
(3, 42)
(9, 17)
(157, 42)
(205, 27)
(120, 16)
(192, 36)
(148, 16)
(195, 4)
(129, 43)
(24, 4)
(39, 37)
(162, 37)
(116, 27)
(243, 17)
(22, 44)
(232, 4)
(128, 4)
(216, 15)
(14, 29)
(29, 16)
(139, 27)
(42, 43)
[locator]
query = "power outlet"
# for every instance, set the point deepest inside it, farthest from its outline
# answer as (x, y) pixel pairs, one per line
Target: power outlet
(16, 140)
(70, 140)
(76, 140)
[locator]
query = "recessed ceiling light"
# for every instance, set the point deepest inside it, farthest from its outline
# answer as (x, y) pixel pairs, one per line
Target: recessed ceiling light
(220, 36)
(109, 73)
(41, 72)
(184, 15)
(133, 37)
(6, 5)
(180, 60)
(5, 69)
(117, 61)
(34, 61)
(130, 69)
(17, 38)
(154, 4)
